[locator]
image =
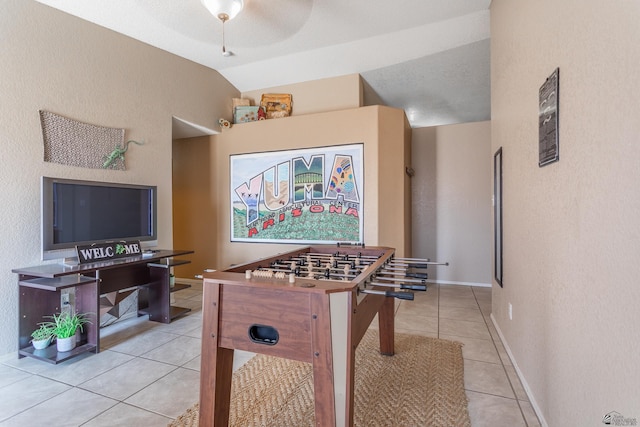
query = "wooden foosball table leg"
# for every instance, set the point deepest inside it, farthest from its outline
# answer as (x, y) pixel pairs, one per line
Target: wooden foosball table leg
(386, 326)
(217, 372)
(323, 369)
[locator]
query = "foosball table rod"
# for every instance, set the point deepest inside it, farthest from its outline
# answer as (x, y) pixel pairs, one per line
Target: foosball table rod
(398, 295)
(420, 288)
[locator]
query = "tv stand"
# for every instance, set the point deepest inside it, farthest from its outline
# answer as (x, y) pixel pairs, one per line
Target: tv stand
(70, 262)
(40, 288)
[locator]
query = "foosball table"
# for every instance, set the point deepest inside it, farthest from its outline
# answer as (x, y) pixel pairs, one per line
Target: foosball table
(312, 305)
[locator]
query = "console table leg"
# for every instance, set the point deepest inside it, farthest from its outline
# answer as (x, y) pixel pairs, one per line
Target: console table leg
(159, 295)
(88, 301)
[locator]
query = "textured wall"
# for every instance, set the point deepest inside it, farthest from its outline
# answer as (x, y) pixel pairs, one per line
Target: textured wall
(394, 187)
(571, 229)
(451, 201)
(59, 63)
(336, 93)
(194, 208)
(310, 130)
(313, 130)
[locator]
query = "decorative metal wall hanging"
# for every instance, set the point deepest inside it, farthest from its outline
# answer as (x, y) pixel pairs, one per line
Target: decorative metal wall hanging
(118, 153)
(548, 113)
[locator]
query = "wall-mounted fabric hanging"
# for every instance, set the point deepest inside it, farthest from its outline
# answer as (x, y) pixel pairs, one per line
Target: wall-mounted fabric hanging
(70, 142)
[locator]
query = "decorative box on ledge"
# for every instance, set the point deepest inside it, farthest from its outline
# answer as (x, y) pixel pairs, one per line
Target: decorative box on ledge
(244, 114)
(272, 106)
(277, 105)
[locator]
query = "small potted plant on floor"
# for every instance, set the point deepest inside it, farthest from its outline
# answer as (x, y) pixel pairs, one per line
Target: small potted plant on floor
(65, 326)
(41, 337)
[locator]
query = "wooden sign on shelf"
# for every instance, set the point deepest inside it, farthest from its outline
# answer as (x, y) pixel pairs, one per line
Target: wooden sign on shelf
(105, 251)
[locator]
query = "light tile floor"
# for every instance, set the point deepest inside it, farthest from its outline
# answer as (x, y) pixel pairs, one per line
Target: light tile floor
(148, 373)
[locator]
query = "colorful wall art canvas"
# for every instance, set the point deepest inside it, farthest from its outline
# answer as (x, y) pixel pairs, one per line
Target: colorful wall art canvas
(304, 196)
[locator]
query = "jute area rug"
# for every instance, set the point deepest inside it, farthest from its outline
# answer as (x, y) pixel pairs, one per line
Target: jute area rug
(421, 385)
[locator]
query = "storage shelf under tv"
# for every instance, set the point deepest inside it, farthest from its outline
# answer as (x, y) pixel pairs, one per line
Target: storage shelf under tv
(52, 355)
(179, 287)
(40, 295)
(166, 264)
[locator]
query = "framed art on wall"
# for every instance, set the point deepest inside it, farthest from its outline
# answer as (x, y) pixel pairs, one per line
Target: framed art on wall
(302, 196)
(548, 110)
(497, 216)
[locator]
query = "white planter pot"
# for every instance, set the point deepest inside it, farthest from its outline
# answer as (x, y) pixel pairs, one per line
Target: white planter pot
(66, 344)
(41, 344)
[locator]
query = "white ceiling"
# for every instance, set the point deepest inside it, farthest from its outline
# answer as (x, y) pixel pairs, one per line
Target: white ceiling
(428, 57)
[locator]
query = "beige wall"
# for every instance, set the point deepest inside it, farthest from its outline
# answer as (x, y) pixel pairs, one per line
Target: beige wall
(59, 63)
(393, 182)
(194, 210)
(571, 229)
(451, 201)
(382, 226)
(318, 96)
(193, 184)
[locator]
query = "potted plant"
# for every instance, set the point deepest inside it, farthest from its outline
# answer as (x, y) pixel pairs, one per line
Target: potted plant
(65, 326)
(41, 337)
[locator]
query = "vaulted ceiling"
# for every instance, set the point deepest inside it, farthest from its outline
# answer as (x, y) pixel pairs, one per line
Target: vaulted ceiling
(427, 57)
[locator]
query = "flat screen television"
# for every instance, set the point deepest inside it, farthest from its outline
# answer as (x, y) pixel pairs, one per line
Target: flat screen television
(84, 212)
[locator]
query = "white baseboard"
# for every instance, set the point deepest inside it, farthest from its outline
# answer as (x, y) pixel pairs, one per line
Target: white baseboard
(525, 385)
(446, 282)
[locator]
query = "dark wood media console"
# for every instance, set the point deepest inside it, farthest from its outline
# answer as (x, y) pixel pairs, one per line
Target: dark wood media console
(40, 292)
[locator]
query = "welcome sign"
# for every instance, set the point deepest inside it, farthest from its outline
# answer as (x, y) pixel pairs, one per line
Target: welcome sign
(301, 196)
(106, 251)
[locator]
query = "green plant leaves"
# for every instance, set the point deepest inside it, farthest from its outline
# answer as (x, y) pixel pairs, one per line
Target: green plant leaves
(65, 324)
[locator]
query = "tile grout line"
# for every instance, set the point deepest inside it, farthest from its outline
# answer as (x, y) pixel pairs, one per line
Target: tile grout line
(526, 423)
(78, 386)
(123, 401)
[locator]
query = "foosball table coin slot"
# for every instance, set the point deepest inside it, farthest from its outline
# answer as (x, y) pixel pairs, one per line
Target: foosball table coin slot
(261, 334)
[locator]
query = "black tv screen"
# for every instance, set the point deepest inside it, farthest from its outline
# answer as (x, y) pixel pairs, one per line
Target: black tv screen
(84, 212)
